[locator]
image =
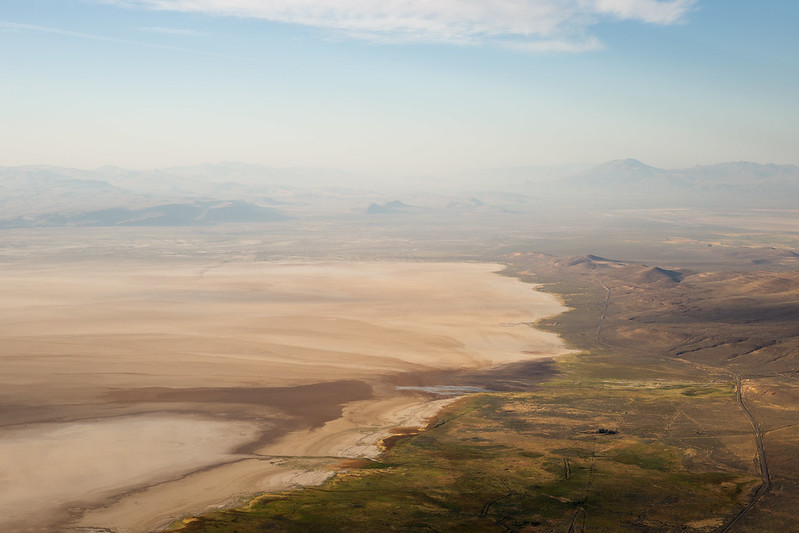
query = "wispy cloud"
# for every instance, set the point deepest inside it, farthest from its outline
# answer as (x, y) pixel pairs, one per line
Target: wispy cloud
(652, 11)
(170, 31)
(16, 26)
(559, 25)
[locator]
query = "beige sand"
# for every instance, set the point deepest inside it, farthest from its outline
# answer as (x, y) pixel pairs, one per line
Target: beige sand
(90, 460)
(192, 361)
(157, 507)
(301, 458)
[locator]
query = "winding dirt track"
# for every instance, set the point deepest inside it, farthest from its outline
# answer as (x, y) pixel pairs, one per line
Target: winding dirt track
(603, 313)
(765, 487)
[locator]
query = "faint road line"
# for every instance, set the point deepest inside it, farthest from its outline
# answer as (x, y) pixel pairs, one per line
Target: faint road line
(604, 311)
(765, 487)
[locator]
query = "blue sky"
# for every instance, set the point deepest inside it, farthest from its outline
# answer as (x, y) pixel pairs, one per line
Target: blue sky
(398, 87)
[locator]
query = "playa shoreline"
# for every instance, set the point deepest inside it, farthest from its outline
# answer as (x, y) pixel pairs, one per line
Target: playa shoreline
(299, 458)
(296, 459)
(250, 377)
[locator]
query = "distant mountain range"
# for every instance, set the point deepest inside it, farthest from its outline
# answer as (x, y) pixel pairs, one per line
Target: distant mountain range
(185, 214)
(389, 208)
(40, 196)
(701, 185)
(32, 196)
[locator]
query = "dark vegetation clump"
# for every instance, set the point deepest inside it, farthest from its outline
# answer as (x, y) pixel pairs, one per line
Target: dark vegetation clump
(604, 431)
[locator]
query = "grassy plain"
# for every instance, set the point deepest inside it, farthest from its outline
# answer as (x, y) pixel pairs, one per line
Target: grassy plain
(529, 462)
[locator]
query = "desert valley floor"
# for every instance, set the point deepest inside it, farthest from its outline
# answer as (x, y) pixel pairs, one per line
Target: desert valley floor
(136, 392)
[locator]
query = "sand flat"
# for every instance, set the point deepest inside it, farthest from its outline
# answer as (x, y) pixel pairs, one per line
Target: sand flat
(86, 461)
(261, 357)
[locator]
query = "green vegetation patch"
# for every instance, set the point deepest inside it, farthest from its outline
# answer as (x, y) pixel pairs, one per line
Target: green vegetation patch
(471, 472)
(648, 457)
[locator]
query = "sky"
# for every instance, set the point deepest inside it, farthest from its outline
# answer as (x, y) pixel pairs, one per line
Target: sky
(398, 87)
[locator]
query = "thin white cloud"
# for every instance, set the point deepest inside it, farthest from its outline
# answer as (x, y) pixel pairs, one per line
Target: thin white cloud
(560, 25)
(169, 31)
(651, 11)
(16, 26)
(588, 44)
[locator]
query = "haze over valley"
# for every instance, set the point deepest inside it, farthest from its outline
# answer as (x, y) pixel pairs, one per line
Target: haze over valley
(189, 350)
(526, 266)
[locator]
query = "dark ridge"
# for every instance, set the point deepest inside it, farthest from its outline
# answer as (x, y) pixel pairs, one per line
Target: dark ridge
(591, 261)
(746, 311)
(673, 275)
(583, 260)
(597, 258)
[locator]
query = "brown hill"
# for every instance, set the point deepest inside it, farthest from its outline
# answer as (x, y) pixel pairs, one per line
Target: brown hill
(747, 322)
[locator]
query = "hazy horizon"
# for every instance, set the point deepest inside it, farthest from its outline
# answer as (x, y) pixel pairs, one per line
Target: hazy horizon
(395, 89)
(559, 168)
